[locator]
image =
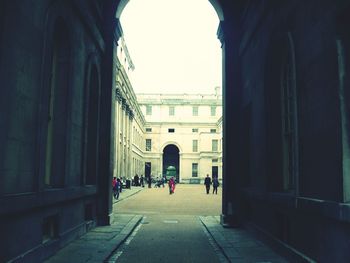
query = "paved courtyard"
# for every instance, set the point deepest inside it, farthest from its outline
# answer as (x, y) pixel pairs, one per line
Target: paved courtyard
(184, 227)
(188, 199)
(149, 225)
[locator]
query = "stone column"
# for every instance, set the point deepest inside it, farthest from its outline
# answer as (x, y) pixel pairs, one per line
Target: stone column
(118, 128)
(123, 118)
(131, 116)
(106, 132)
(229, 35)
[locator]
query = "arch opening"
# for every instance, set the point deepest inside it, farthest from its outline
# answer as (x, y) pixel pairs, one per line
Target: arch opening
(171, 158)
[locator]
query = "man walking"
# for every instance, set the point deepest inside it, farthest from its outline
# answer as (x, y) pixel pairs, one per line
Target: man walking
(207, 183)
(215, 185)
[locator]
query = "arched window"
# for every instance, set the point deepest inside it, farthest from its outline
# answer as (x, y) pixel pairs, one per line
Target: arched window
(343, 44)
(57, 113)
(281, 105)
(92, 127)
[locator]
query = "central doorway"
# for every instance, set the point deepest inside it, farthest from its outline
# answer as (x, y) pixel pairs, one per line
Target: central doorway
(171, 158)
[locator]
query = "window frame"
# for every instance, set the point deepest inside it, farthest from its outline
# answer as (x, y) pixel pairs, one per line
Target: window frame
(195, 171)
(148, 110)
(195, 111)
(213, 111)
(148, 146)
(216, 148)
(194, 146)
(171, 110)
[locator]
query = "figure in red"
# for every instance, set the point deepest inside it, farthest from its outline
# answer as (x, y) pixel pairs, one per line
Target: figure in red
(171, 184)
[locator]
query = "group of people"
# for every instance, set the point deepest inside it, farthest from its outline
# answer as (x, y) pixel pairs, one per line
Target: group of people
(208, 182)
(117, 184)
(139, 180)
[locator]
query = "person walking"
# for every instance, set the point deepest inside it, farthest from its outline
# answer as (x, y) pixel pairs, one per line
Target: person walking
(171, 184)
(207, 183)
(142, 181)
(150, 181)
(215, 185)
(118, 187)
(114, 187)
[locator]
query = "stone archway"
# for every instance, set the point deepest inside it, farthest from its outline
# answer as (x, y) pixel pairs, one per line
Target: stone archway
(171, 157)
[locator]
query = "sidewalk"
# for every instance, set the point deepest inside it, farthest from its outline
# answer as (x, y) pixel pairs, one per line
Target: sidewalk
(99, 243)
(235, 244)
(126, 193)
(239, 245)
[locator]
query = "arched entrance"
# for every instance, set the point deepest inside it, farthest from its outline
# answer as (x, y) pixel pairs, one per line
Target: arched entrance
(171, 158)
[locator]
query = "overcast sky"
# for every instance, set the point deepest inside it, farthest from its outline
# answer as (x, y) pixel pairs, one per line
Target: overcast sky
(173, 45)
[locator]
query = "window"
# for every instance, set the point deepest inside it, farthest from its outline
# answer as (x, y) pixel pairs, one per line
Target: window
(195, 146)
(57, 107)
(171, 130)
(212, 130)
(195, 110)
(195, 130)
(282, 122)
(148, 129)
(148, 110)
(343, 44)
(194, 169)
(214, 145)
(214, 160)
(288, 116)
(92, 128)
(213, 110)
(148, 145)
(171, 110)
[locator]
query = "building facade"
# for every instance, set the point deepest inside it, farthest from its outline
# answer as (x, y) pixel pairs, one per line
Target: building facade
(155, 131)
(183, 131)
(129, 120)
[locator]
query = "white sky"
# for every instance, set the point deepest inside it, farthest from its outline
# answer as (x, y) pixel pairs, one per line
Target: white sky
(173, 45)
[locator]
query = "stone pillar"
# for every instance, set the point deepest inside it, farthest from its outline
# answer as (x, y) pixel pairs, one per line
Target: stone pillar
(117, 133)
(106, 132)
(123, 118)
(131, 163)
(229, 35)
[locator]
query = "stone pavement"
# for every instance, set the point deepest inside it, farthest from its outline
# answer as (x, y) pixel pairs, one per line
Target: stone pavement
(239, 245)
(98, 244)
(128, 192)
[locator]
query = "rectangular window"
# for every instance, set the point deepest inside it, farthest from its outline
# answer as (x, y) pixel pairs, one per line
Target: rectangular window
(195, 145)
(148, 110)
(171, 130)
(194, 130)
(214, 145)
(214, 160)
(171, 110)
(212, 130)
(195, 110)
(148, 129)
(213, 110)
(148, 145)
(194, 169)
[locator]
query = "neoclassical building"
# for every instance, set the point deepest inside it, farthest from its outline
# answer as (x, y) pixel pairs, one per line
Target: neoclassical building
(184, 131)
(155, 131)
(129, 120)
